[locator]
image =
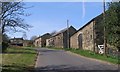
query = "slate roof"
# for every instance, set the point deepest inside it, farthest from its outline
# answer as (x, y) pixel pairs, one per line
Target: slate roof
(42, 35)
(63, 30)
(89, 22)
(16, 39)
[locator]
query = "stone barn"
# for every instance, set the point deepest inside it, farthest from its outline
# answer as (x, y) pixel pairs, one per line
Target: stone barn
(37, 42)
(41, 41)
(17, 41)
(61, 39)
(88, 36)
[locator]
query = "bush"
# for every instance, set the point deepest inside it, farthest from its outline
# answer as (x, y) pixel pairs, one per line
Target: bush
(4, 46)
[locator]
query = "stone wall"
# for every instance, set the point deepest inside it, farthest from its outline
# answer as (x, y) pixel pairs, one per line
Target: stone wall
(43, 39)
(87, 42)
(58, 41)
(61, 39)
(47, 42)
(87, 34)
(71, 31)
(50, 42)
(37, 42)
(74, 40)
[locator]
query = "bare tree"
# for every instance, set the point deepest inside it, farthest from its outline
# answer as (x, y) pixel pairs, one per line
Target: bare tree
(10, 17)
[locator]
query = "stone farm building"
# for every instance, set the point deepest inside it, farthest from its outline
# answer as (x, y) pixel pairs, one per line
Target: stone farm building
(37, 42)
(20, 42)
(62, 38)
(50, 42)
(28, 43)
(88, 36)
(17, 41)
(41, 40)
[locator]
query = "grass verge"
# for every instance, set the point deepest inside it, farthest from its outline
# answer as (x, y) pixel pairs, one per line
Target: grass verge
(91, 54)
(18, 60)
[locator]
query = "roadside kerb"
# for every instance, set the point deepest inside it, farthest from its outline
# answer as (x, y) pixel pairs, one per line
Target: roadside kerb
(36, 59)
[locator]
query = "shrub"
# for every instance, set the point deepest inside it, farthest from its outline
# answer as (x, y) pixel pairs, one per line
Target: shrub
(4, 46)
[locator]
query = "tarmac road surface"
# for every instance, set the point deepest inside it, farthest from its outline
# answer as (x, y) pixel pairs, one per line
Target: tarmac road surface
(50, 59)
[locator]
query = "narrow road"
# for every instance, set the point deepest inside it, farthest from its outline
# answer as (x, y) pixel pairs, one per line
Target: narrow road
(49, 59)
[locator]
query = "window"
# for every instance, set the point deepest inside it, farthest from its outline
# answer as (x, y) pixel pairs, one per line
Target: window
(58, 37)
(90, 36)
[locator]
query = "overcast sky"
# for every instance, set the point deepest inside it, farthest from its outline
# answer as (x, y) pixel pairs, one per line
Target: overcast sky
(49, 16)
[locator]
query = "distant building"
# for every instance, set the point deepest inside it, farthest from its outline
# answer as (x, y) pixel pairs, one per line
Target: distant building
(20, 42)
(37, 42)
(88, 36)
(50, 42)
(41, 40)
(61, 38)
(28, 43)
(47, 42)
(17, 41)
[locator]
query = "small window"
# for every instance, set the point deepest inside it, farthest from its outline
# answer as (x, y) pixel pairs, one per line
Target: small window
(58, 37)
(90, 36)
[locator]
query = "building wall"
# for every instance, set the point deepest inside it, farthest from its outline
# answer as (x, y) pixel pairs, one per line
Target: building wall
(47, 42)
(17, 41)
(72, 31)
(25, 43)
(43, 39)
(38, 42)
(35, 43)
(58, 41)
(28, 43)
(51, 41)
(87, 42)
(74, 40)
(61, 40)
(66, 42)
(87, 35)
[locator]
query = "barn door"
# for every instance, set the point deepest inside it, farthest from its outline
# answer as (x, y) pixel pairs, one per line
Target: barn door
(80, 41)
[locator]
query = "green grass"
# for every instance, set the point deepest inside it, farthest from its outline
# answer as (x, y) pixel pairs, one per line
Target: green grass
(18, 59)
(91, 54)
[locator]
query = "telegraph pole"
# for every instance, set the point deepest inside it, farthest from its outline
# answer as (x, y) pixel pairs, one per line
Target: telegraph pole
(105, 48)
(68, 39)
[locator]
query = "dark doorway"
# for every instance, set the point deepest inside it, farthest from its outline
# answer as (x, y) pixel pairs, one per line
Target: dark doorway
(80, 41)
